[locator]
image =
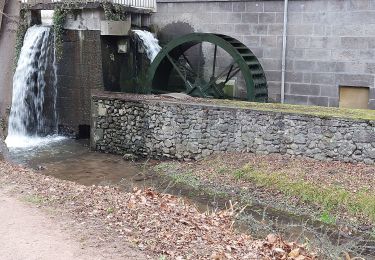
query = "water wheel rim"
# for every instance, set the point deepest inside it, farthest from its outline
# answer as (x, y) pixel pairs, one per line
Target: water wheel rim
(256, 83)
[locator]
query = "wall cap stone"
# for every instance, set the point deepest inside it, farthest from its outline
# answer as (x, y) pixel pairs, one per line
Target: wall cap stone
(349, 115)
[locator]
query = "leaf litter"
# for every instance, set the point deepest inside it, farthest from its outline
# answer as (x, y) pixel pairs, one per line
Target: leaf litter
(159, 224)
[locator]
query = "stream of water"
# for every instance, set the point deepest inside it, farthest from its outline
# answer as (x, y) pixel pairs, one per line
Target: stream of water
(150, 43)
(33, 113)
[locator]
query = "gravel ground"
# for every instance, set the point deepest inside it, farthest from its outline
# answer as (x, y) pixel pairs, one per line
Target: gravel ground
(159, 225)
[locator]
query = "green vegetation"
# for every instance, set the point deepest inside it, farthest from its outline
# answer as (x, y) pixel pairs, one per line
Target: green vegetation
(324, 112)
(21, 32)
(114, 12)
(327, 218)
(59, 17)
(35, 199)
(328, 198)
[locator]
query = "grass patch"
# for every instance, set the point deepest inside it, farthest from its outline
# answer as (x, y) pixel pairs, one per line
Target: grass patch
(328, 198)
(298, 109)
(327, 218)
(185, 179)
(34, 199)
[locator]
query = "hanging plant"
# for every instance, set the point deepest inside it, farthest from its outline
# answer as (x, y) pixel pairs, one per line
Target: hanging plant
(59, 17)
(21, 32)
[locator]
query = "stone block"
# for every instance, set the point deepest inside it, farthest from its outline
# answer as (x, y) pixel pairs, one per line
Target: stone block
(219, 6)
(295, 99)
(250, 18)
(267, 18)
(336, 6)
(318, 101)
(355, 42)
(354, 80)
(273, 6)
(259, 29)
(370, 68)
(351, 67)
(305, 89)
(239, 6)
(345, 55)
(269, 41)
(329, 91)
(333, 102)
(274, 53)
(243, 29)
(293, 76)
(303, 65)
(302, 41)
(323, 78)
(277, 29)
(314, 18)
(254, 7)
(358, 5)
(295, 53)
(295, 18)
(234, 18)
(300, 29)
(366, 55)
(251, 41)
(317, 54)
(273, 75)
(271, 64)
(319, 42)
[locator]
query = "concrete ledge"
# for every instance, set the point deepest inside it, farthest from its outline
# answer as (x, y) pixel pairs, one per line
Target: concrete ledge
(119, 28)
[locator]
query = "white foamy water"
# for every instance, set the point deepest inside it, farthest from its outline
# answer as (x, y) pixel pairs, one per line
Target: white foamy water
(33, 115)
(150, 43)
(31, 141)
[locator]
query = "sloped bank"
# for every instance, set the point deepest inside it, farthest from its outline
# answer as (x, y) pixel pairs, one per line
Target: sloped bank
(161, 225)
(161, 127)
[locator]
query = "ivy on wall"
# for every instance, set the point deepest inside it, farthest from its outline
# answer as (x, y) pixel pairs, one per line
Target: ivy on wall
(23, 25)
(59, 17)
(114, 12)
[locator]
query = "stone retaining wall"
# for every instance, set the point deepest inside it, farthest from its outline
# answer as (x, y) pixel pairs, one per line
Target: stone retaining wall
(166, 128)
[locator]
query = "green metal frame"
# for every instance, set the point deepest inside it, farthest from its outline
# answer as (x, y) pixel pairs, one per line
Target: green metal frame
(252, 71)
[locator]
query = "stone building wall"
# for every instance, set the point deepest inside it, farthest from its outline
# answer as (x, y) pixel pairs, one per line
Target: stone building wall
(78, 73)
(163, 128)
(329, 42)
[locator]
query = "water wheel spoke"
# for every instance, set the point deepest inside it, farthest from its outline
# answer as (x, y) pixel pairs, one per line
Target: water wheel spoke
(226, 71)
(230, 76)
(187, 61)
(214, 62)
(179, 72)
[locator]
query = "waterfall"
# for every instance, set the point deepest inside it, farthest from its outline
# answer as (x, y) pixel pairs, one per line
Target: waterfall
(150, 43)
(33, 112)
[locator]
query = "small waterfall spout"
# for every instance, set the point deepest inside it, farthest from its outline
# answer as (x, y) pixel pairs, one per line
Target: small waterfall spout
(150, 43)
(33, 112)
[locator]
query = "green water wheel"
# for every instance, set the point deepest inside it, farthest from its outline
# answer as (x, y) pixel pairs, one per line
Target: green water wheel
(174, 59)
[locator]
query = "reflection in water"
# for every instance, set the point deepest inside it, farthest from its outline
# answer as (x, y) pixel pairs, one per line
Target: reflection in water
(72, 160)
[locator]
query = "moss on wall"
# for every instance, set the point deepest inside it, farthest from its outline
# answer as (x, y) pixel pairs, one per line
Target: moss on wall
(299, 109)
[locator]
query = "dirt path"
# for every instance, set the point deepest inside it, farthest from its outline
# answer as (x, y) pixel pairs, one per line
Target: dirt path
(29, 233)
